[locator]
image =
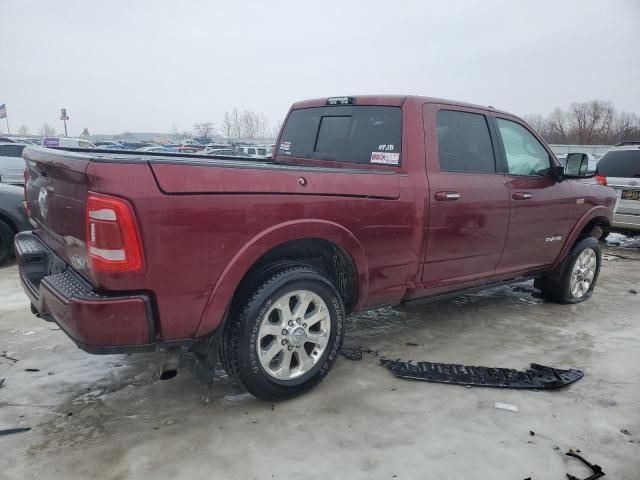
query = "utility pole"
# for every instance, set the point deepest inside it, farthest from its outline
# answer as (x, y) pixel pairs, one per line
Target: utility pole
(64, 118)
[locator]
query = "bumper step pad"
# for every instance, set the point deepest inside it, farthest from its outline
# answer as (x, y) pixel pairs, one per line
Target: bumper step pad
(537, 377)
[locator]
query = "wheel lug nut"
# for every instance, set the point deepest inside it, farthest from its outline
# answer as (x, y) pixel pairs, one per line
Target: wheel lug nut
(284, 331)
(291, 323)
(304, 325)
(298, 320)
(284, 342)
(290, 347)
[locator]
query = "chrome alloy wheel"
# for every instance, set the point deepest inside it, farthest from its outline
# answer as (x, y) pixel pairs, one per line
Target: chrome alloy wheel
(584, 269)
(293, 334)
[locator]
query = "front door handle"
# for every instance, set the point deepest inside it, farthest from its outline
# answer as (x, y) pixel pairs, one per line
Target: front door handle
(522, 196)
(446, 196)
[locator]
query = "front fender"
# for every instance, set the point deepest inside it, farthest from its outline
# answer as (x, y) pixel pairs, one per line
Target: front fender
(222, 292)
(595, 212)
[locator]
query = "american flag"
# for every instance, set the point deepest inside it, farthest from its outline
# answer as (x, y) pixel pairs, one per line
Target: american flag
(3, 111)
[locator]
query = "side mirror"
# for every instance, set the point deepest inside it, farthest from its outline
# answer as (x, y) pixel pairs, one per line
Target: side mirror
(577, 166)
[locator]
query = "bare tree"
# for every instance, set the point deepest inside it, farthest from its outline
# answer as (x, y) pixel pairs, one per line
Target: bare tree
(236, 126)
(205, 129)
(227, 125)
(46, 130)
(539, 123)
(23, 131)
(587, 123)
(275, 131)
(248, 125)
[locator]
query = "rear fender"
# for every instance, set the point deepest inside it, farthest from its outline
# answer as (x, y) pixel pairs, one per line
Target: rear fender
(222, 293)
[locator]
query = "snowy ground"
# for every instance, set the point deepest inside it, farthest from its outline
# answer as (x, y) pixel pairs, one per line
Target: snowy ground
(109, 417)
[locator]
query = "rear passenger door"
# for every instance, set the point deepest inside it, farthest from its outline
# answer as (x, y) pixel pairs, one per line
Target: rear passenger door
(468, 214)
(542, 210)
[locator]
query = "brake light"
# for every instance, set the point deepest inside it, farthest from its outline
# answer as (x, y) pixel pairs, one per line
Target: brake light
(602, 180)
(113, 240)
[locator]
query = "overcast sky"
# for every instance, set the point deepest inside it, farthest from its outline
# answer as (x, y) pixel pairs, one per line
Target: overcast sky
(145, 65)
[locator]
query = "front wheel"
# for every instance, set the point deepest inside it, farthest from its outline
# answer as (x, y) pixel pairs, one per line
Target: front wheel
(284, 338)
(577, 278)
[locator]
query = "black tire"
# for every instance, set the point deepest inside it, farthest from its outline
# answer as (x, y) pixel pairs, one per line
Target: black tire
(6, 242)
(556, 286)
(604, 236)
(239, 337)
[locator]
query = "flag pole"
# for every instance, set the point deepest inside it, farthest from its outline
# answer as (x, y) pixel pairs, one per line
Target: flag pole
(6, 117)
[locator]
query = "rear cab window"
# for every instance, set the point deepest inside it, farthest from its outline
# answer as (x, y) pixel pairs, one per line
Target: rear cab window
(352, 134)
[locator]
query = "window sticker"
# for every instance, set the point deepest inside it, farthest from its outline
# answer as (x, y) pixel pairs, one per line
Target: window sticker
(385, 158)
(285, 147)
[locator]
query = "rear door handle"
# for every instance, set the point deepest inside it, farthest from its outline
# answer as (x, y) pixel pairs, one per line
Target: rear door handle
(522, 196)
(447, 196)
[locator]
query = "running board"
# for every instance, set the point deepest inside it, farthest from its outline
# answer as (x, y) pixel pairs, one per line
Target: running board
(537, 377)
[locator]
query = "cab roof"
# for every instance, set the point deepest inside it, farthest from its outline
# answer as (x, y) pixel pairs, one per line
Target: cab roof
(389, 100)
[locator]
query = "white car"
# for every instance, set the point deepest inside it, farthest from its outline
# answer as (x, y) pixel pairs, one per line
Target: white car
(66, 142)
(11, 163)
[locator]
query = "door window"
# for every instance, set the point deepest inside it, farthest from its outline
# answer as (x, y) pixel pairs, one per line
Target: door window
(464, 142)
(525, 154)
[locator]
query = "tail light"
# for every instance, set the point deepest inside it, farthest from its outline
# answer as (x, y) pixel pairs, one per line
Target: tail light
(113, 240)
(601, 179)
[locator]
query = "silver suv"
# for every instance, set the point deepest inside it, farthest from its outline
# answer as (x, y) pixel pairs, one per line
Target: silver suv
(11, 163)
(620, 168)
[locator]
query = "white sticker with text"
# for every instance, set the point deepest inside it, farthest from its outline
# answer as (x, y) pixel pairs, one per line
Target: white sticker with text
(385, 158)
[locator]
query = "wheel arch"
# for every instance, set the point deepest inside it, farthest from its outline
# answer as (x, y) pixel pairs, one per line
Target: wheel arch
(294, 240)
(589, 224)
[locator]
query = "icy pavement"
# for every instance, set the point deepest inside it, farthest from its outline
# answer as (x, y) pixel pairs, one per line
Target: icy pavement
(108, 417)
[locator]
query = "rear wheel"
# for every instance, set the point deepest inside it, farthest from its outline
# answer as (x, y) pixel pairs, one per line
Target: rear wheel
(576, 278)
(283, 338)
(6, 242)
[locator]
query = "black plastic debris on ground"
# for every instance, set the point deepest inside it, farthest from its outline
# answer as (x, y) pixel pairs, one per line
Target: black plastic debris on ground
(596, 469)
(356, 353)
(537, 377)
(10, 431)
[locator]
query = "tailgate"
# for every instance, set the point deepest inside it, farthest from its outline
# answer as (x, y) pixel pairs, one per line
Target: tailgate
(56, 191)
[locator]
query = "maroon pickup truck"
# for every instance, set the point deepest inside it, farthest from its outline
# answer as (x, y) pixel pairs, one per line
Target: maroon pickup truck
(367, 201)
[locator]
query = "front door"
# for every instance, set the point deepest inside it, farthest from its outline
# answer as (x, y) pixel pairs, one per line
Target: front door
(468, 212)
(542, 209)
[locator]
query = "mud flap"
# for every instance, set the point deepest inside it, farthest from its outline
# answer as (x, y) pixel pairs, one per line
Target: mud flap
(537, 377)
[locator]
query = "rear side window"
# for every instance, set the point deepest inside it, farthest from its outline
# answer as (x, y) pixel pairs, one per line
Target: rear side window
(464, 142)
(11, 150)
(620, 163)
(354, 134)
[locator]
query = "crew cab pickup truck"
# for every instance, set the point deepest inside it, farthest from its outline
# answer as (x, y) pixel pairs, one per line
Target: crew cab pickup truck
(366, 201)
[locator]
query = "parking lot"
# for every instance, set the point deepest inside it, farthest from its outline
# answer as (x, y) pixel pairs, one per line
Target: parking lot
(109, 416)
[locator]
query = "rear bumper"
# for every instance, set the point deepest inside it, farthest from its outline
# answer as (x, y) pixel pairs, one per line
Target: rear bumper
(96, 322)
(625, 222)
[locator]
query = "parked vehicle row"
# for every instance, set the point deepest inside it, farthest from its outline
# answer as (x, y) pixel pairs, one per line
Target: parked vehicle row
(367, 201)
(619, 168)
(13, 218)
